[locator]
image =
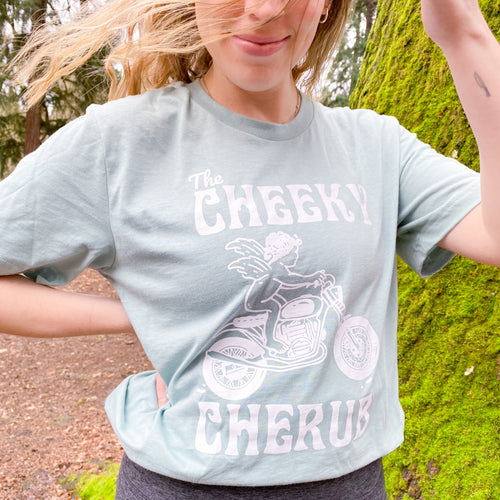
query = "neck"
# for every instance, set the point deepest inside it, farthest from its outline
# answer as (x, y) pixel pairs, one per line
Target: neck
(276, 105)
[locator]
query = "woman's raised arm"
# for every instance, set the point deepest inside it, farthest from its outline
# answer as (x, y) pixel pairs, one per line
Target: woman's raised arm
(33, 310)
(473, 54)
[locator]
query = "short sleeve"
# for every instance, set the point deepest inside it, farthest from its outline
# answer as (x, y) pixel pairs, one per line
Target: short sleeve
(435, 193)
(54, 216)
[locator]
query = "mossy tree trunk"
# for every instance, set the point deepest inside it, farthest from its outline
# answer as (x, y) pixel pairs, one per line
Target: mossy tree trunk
(449, 338)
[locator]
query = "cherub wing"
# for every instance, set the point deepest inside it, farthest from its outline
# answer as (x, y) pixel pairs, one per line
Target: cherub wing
(246, 247)
(251, 267)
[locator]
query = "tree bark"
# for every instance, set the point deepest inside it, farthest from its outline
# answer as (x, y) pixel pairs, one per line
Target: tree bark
(34, 114)
(33, 126)
(371, 7)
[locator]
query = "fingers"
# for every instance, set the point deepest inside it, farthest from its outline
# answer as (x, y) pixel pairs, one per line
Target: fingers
(161, 391)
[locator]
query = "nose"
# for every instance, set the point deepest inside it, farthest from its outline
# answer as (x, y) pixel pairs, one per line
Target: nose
(264, 10)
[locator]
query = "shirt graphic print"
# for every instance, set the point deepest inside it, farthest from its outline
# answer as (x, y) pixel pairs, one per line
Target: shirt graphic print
(284, 328)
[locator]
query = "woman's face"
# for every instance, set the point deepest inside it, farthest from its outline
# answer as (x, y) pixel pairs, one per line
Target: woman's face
(258, 59)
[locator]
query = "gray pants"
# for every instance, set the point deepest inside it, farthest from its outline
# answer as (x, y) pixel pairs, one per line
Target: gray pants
(137, 483)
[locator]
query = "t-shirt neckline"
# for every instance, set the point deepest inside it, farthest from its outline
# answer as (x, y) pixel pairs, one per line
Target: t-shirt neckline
(262, 129)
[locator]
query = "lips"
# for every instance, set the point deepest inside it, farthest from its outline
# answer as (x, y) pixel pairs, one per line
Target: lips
(259, 46)
(261, 40)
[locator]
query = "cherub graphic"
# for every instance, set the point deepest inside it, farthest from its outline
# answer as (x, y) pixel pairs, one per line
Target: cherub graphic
(273, 281)
(285, 328)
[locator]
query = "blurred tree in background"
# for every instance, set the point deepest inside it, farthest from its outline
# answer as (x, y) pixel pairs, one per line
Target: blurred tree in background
(22, 130)
(344, 70)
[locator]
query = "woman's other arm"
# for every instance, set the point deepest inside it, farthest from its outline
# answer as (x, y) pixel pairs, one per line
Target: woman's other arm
(473, 55)
(33, 310)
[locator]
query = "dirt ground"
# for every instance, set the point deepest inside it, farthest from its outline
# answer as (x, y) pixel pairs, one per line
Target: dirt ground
(52, 392)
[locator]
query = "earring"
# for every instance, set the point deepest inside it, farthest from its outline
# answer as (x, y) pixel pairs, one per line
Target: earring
(324, 17)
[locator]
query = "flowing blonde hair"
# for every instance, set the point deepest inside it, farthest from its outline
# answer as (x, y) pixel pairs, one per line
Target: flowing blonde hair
(153, 42)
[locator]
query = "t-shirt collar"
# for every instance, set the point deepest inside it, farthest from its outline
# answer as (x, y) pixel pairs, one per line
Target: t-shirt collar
(262, 129)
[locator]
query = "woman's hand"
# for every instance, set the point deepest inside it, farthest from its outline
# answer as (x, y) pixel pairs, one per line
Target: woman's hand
(161, 391)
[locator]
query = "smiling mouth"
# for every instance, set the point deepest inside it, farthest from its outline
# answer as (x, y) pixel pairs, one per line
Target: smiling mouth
(258, 46)
(260, 40)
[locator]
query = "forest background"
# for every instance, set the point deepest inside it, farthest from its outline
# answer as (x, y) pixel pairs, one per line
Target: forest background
(449, 347)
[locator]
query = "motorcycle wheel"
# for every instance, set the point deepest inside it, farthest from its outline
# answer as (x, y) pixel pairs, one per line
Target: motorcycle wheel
(232, 381)
(356, 348)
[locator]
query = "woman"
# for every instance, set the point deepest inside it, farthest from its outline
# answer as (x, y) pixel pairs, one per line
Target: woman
(158, 192)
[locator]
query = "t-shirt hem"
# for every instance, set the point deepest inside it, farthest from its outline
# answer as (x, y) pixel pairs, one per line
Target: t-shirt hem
(436, 258)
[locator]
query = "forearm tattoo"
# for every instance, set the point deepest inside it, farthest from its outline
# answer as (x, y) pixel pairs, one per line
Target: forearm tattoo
(481, 84)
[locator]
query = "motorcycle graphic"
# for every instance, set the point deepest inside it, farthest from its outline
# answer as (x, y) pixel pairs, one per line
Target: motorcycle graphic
(285, 329)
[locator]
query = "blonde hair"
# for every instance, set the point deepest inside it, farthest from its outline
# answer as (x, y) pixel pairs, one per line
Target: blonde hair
(154, 43)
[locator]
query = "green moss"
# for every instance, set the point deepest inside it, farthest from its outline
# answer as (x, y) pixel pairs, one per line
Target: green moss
(404, 74)
(449, 353)
(449, 347)
(89, 486)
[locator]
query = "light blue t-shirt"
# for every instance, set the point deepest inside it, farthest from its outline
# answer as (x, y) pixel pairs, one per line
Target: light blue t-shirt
(257, 263)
